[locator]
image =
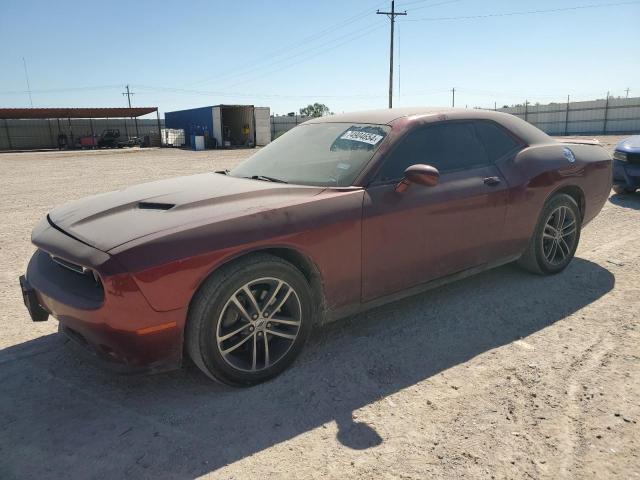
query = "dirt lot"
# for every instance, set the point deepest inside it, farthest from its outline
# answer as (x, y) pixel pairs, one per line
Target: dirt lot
(503, 375)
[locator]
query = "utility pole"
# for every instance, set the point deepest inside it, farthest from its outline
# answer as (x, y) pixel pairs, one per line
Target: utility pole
(26, 74)
(627, 90)
(566, 116)
(135, 119)
(606, 115)
(128, 94)
(453, 97)
(392, 16)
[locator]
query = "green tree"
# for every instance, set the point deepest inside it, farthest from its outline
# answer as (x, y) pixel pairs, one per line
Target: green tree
(315, 110)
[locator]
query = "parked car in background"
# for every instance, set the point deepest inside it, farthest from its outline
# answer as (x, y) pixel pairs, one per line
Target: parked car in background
(338, 215)
(626, 165)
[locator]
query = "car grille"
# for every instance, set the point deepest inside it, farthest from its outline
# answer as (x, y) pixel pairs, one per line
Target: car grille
(71, 266)
(64, 281)
(633, 158)
(89, 274)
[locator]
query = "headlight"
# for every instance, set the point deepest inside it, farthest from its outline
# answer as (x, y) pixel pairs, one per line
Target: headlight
(620, 156)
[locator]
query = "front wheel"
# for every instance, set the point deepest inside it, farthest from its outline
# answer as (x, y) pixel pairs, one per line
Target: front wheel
(249, 321)
(555, 238)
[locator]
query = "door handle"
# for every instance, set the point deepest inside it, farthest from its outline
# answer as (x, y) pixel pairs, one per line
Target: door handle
(491, 181)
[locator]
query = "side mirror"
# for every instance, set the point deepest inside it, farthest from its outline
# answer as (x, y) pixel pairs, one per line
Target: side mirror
(419, 174)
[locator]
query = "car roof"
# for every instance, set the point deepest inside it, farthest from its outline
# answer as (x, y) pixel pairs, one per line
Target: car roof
(388, 116)
(381, 116)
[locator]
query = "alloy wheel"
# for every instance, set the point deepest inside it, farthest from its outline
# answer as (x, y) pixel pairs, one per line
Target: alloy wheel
(559, 235)
(258, 324)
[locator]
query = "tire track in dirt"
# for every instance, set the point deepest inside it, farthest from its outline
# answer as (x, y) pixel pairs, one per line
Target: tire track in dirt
(617, 254)
(572, 440)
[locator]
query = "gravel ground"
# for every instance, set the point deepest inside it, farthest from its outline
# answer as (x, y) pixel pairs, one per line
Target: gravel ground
(504, 375)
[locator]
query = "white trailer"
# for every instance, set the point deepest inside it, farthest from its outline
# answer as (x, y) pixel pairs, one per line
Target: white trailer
(241, 126)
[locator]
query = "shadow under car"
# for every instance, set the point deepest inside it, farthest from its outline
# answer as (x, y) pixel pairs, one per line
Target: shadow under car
(63, 417)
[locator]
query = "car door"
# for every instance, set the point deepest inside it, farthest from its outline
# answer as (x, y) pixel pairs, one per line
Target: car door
(429, 232)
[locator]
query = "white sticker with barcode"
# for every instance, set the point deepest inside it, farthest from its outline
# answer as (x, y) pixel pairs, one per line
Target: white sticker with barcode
(364, 137)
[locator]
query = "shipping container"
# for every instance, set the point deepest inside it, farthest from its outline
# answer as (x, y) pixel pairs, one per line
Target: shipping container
(224, 126)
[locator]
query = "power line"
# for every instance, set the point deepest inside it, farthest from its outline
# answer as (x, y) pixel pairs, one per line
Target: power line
(427, 93)
(250, 66)
(60, 90)
(305, 53)
(307, 57)
(248, 95)
(248, 73)
(521, 94)
(431, 5)
(526, 12)
(275, 95)
(392, 16)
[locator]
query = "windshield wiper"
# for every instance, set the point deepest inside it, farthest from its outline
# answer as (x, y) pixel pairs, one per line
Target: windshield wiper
(222, 172)
(268, 179)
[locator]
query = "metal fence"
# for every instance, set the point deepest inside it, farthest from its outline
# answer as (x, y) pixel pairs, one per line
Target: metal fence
(281, 124)
(611, 116)
(37, 134)
(597, 117)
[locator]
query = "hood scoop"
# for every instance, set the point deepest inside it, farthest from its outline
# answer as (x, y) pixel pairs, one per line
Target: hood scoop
(108, 220)
(155, 206)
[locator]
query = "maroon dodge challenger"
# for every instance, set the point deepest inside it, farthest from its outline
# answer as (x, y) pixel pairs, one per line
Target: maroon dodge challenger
(340, 214)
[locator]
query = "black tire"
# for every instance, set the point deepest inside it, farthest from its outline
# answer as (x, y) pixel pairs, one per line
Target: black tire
(536, 257)
(213, 305)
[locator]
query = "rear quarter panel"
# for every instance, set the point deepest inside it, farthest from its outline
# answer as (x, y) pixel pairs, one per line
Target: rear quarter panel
(538, 172)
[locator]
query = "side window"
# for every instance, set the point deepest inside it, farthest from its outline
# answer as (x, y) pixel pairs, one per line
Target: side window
(495, 139)
(409, 151)
(446, 146)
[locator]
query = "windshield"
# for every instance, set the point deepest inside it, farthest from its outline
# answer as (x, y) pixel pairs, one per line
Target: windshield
(323, 154)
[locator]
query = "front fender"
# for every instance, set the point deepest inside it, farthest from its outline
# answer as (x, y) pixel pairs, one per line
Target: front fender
(169, 269)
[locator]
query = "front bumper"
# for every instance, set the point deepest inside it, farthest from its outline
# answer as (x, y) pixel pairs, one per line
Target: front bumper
(113, 320)
(37, 313)
(626, 175)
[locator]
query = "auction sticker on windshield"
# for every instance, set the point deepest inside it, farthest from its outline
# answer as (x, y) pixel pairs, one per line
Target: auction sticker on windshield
(361, 136)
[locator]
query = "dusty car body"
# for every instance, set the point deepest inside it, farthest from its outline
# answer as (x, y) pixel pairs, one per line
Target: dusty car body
(121, 270)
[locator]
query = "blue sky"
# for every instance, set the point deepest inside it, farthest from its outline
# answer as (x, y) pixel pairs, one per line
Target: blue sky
(288, 53)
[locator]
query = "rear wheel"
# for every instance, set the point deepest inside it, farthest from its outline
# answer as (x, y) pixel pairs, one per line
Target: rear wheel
(249, 321)
(555, 238)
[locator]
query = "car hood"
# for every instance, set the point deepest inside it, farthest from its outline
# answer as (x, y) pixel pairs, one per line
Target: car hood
(629, 145)
(108, 220)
